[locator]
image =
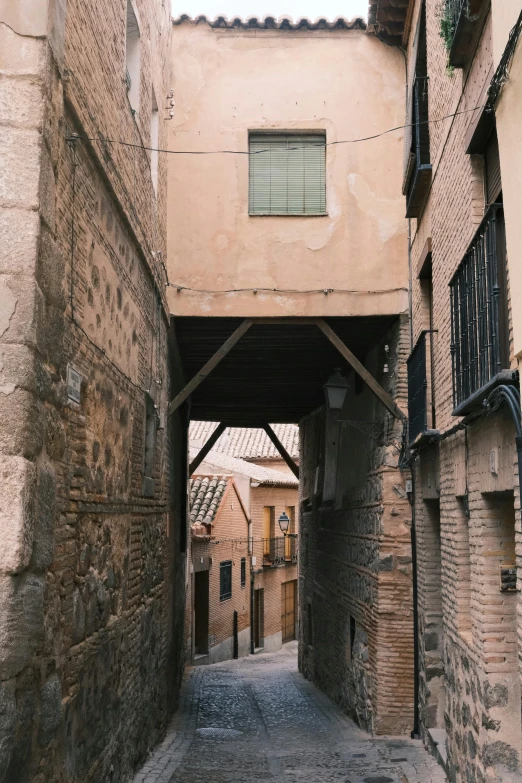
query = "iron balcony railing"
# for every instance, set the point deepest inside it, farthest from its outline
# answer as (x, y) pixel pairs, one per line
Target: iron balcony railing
(277, 551)
(418, 389)
(479, 330)
(454, 10)
(420, 167)
(460, 21)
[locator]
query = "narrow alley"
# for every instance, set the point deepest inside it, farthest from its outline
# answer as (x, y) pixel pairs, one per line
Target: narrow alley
(257, 720)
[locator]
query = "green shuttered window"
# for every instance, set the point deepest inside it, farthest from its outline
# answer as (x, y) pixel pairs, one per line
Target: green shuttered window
(287, 174)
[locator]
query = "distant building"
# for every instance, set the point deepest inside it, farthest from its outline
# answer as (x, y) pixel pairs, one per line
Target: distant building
(271, 560)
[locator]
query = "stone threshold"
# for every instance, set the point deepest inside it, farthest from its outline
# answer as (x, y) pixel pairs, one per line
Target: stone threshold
(437, 747)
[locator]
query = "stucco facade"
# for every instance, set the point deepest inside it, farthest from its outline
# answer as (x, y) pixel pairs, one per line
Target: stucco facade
(228, 81)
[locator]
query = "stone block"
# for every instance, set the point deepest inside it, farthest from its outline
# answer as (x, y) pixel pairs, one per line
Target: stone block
(21, 621)
(21, 103)
(22, 424)
(19, 231)
(20, 152)
(43, 548)
(18, 309)
(17, 513)
(50, 710)
(7, 722)
(20, 56)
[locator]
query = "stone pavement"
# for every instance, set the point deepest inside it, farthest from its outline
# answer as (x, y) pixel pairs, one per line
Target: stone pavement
(256, 720)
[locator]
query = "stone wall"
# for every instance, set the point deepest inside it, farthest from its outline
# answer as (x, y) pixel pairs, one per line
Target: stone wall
(356, 604)
(91, 583)
(466, 513)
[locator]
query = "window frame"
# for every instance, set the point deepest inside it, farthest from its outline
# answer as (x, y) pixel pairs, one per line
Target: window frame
(225, 565)
(287, 134)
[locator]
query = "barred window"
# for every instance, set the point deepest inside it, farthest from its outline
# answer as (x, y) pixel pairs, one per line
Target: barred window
(225, 580)
(243, 571)
(287, 174)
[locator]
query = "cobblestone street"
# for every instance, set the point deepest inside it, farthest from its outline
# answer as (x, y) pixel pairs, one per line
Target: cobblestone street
(257, 720)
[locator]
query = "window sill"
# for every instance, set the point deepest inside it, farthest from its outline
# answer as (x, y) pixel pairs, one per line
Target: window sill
(475, 401)
(423, 438)
(287, 214)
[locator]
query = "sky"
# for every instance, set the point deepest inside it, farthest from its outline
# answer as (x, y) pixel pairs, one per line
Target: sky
(294, 8)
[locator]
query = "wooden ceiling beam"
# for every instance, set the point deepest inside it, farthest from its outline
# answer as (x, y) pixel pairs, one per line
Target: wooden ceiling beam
(281, 449)
(361, 370)
(210, 443)
(207, 368)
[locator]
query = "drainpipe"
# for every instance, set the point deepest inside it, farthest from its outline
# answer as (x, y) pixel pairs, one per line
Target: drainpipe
(251, 552)
(415, 732)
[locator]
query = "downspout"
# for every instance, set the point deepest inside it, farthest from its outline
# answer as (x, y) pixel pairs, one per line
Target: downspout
(416, 662)
(251, 552)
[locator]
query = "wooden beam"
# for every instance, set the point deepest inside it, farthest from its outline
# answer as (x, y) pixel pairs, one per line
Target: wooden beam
(211, 442)
(209, 366)
(281, 449)
(361, 370)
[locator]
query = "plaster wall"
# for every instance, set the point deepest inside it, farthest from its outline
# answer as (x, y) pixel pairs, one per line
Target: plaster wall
(509, 118)
(227, 82)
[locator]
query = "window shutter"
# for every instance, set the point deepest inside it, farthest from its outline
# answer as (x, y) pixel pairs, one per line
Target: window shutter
(408, 133)
(492, 160)
(287, 174)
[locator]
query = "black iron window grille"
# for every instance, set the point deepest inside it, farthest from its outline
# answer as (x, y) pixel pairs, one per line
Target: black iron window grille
(418, 389)
(225, 580)
(243, 571)
(479, 327)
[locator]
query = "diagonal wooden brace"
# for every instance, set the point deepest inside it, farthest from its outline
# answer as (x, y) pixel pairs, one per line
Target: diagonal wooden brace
(207, 368)
(361, 370)
(281, 449)
(211, 442)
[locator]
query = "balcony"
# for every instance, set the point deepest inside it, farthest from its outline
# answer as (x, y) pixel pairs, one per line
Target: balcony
(279, 551)
(418, 177)
(479, 322)
(420, 394)
(463, 20)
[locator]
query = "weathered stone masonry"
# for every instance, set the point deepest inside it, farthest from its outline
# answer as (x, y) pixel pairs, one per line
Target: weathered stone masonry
(355, 597)
(90, 633)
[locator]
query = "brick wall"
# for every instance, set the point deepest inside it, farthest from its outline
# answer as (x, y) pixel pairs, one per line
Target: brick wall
(92, 580)
(468, 519)
(271, 579)
(229, 542)
(355, 557)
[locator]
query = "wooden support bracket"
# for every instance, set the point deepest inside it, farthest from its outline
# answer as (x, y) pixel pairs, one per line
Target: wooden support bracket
(361, 370)
(281, 449)
(211, 442)
(210, 365)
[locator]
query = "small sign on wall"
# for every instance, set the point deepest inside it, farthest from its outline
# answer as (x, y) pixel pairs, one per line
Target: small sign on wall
(74, 384)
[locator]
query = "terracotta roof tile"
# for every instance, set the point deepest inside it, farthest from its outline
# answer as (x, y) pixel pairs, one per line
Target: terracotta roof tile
(206, 495)
(245, 443)
(214, 461)
(273, 23)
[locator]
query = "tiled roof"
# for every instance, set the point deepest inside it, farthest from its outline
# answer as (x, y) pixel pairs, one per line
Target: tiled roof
(245, 443)
(223, 462)
(206, 495)
(273, 23)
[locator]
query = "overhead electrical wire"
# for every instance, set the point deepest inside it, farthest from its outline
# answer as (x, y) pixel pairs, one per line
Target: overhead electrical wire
(105, 140)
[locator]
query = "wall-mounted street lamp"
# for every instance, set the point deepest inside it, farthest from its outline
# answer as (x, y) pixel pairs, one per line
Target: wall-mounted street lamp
(335, 390)
(284, 524)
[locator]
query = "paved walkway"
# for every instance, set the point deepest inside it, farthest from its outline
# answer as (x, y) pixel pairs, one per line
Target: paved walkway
(257, 720)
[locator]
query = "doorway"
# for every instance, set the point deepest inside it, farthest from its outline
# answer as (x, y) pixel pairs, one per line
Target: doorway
(288, 594)
(259, 611)
(201, 607)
